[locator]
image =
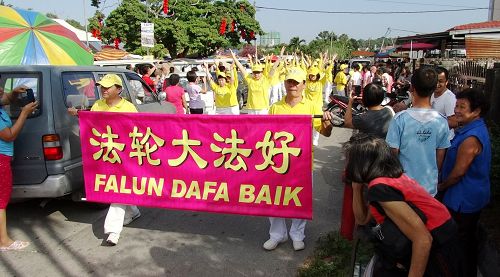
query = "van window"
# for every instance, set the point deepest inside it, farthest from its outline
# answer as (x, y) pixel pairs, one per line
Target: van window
(79, 89)
(125, 93)
(12, 82)
(140, 91)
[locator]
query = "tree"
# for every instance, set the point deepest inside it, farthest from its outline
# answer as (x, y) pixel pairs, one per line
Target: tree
(51, 15)
(188, 28)
(296, 43)
(75, 24)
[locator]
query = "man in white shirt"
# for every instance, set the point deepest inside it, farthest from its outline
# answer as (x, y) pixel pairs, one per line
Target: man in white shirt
(443, 100)
(356, 80)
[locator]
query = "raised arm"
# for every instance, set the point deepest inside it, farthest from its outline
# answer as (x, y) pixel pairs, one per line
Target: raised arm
(277, 62)
(238, 64)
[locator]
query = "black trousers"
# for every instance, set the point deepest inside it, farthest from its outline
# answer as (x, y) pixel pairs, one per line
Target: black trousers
(196, 111)
(467, 233)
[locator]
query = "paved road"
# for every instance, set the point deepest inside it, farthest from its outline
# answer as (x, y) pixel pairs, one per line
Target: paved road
(67, 238)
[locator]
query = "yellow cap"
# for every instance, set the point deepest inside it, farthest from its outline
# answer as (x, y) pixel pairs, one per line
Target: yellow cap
(343, 66)
(221, 74)
(313, 71)
(296, 73)
(109, 80)
(257, 68)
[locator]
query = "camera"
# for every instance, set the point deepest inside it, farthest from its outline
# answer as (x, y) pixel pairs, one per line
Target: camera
(30, 96)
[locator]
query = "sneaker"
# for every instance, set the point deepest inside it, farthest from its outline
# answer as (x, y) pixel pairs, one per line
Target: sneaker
(113, 238)
(128, 220)
(271, 244)
(298, 245)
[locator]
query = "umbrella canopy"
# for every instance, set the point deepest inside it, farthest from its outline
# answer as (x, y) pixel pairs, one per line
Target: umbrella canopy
(110, 53)
(417, 46)
(28, 37)
(362, 53)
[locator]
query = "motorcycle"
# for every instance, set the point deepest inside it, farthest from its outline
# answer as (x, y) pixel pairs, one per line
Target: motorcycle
(338, 107)
(398, 100)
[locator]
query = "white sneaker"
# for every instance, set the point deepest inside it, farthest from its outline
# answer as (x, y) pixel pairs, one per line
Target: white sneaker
(128, 220)
(113, 238)
(298, 245)
(271, 244)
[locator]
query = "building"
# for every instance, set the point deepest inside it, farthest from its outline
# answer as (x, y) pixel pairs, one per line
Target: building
(270, 39)
(494, 10)
(475, 40)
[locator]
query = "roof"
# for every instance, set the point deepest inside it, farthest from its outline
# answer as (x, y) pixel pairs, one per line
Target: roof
(79, 33)
(480, 25)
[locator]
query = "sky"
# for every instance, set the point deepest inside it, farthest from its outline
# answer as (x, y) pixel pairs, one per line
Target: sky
(306, 25)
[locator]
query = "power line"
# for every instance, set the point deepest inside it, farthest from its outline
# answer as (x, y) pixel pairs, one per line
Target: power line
(421, 4)
(373, 12)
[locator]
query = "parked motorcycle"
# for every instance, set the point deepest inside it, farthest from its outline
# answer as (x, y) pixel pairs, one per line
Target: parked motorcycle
(398, 100)
(338, 107)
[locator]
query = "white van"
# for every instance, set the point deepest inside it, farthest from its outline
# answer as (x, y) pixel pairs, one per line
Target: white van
(123, 63)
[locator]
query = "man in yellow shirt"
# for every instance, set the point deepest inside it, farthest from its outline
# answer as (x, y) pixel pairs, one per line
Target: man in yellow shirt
(341, 79)
(295, 103)
(118, 214)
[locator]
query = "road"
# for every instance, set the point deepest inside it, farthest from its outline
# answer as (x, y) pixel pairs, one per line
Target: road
(68, 240)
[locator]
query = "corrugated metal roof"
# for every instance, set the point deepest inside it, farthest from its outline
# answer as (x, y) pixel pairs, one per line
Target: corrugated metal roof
(482, 48)
(480, 25)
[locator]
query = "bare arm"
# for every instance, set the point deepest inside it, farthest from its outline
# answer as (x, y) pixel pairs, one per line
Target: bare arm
(277, 62)
(11, 97)
(238, 64)
(414, 229)
(440, 157)
(348, 112)
(10, 134)
(467, 152)
(452, 121)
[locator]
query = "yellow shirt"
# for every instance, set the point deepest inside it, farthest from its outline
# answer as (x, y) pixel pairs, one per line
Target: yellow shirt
(303, 107)
(258, 92)
(314, 92)
(123, 106)
(225, 96)
(341, 81)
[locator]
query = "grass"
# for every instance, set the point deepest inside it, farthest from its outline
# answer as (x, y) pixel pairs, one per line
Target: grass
(332, 257)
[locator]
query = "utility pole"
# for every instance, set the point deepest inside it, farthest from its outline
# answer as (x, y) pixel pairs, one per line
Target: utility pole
(85, 22)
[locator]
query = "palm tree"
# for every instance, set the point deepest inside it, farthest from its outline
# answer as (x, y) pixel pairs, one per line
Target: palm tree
(296, 43)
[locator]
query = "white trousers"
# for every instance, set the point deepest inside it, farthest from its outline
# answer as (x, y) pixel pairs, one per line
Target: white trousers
(116, 214)
(275, 94)
(277, 230)
(326, 92)
(315, 137)
(263, 111)
(235, 110)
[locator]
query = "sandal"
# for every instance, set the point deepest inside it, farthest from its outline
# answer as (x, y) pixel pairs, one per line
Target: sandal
(16, 245)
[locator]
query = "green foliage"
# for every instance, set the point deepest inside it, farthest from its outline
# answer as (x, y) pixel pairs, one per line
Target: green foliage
(51, 15)
(190, 27)
(332, 257)
(95, 3)
(75, 24)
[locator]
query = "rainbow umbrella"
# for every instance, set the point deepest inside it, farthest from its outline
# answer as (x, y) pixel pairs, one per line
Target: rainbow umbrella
(28, 37)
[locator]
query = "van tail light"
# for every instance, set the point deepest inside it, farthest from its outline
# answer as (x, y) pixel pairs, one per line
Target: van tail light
(52, 149)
